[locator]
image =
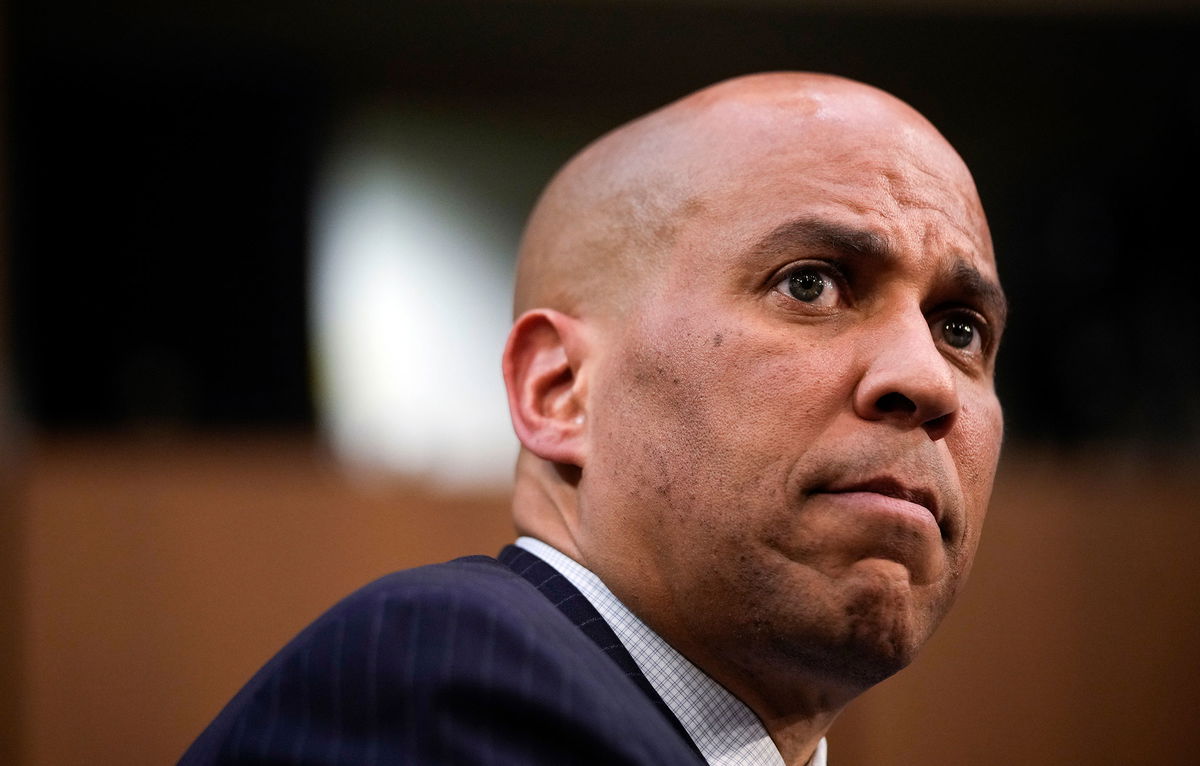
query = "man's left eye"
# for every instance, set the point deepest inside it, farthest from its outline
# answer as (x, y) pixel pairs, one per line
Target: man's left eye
(959, 332)
(810, 285)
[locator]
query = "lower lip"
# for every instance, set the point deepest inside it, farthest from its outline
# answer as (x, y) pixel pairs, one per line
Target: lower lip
(884, 505)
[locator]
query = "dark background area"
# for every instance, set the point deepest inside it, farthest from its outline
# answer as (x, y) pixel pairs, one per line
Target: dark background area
(162, 161)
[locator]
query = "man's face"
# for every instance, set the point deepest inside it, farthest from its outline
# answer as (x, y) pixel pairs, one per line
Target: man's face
(793, 439)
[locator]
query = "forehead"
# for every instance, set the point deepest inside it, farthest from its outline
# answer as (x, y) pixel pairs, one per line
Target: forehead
(880, 170)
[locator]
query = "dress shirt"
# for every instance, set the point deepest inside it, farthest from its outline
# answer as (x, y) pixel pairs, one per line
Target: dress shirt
(724, 729)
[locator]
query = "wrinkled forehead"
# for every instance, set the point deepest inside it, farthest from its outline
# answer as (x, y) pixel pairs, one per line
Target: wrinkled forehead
(862, 156)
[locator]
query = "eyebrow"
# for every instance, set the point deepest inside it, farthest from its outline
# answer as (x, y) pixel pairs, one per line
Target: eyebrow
(814, 233)
(981, 290)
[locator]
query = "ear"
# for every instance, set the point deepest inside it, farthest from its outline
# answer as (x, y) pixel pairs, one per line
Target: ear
(542, 361)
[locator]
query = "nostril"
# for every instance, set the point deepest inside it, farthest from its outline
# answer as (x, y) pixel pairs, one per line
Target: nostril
(939, 427)
(896, 402)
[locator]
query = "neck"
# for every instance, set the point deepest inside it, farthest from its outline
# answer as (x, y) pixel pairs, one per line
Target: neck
(796, 709)
(797, 739)
(545, 503)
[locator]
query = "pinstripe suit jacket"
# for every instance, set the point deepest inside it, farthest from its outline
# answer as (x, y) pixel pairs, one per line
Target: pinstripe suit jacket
(471, 661)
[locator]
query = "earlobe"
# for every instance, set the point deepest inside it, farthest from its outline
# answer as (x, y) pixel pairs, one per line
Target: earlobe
(542, 361)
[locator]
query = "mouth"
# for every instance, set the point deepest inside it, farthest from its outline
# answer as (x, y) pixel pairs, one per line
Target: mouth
(889, 487)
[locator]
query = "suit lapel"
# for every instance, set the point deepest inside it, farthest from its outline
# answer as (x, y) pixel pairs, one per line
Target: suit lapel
(579, 611)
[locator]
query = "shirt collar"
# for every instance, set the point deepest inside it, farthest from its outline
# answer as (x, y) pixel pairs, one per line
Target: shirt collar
(724, 729)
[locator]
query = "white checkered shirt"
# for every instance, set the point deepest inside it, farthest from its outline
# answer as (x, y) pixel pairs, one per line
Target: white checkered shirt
(726, 731)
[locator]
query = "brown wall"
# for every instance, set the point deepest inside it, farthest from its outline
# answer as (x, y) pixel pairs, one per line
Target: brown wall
(161, 573)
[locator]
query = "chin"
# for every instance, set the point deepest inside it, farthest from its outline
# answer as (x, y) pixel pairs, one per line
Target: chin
(875, 631)
(881, 639)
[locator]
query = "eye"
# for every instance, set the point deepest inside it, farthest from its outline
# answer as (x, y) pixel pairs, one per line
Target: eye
(960, 331)
(810, 284)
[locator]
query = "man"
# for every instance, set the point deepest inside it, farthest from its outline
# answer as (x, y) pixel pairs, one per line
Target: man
(752, 376)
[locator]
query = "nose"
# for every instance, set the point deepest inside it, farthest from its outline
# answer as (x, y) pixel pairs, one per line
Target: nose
(907, 381)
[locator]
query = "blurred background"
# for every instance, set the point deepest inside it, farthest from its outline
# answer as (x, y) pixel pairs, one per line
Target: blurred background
(255, 262)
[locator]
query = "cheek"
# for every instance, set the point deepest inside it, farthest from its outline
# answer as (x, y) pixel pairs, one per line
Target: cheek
(713, 417)
(772, 386)
(975, 446)
(977, 443)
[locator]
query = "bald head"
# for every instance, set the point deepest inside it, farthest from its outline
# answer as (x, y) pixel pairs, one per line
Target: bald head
(752, 375)
(608, 218)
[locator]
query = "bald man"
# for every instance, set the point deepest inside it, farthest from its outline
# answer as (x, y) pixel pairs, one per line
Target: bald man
(752, 375)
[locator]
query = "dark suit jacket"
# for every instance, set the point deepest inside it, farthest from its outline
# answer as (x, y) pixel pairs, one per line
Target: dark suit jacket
(475, 661)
